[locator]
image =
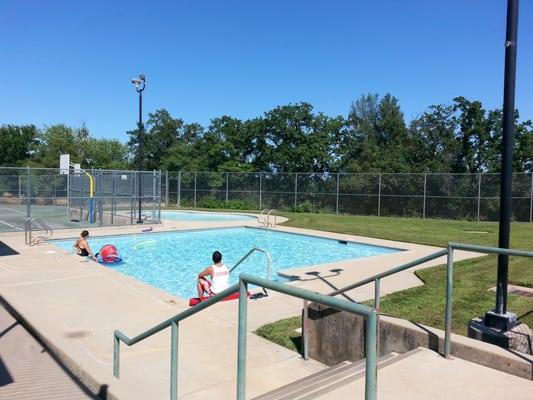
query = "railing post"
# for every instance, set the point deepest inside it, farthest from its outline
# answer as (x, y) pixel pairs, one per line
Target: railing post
(295, 190)
(174, 361)
(260, 191)
(116, 356)
(178, 200)
(371, 357)
(377, 306)
(449, 301)
(337, 204)
(424, 205)
(241, 344)
(305, 327)
(478, 195)
(379, 194)
(195, 190)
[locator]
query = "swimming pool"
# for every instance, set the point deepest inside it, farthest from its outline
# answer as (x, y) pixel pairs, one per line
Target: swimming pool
(205, 216)
(171, 260)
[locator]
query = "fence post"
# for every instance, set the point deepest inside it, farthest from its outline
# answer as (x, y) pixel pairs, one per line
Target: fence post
(424, 205)
(113, 195)
(100, 188)
(132, 188)
(195, 190)
(295, 190)
(227, 184)
(28, 194)
(178, 200)
(379, 194)
(166, 188)
(531, 200)
(337, 205)
(154, 177)
(261, 191)
(478, 195)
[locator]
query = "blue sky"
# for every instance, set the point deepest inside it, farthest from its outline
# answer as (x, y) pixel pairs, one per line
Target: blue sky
(71, 61)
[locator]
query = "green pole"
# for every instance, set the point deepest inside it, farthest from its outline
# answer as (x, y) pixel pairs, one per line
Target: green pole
(449, 289)
(174, 361)
(241, 349)
(116, 356)
(371, 357)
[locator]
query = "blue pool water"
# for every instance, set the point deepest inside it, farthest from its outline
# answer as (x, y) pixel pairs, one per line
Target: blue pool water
(207, 216)
(172, 260)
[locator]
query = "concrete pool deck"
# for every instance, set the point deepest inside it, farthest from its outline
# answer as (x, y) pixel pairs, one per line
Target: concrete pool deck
(74, 307)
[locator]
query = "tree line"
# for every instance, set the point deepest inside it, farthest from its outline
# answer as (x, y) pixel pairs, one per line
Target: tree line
(461, 137)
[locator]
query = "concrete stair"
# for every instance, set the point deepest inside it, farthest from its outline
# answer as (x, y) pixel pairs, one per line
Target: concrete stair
(327, 380)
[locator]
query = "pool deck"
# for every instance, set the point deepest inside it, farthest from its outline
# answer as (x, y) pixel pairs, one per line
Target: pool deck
(74, 307)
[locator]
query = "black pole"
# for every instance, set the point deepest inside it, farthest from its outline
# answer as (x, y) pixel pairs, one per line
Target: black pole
(507, 153)
(141, 158)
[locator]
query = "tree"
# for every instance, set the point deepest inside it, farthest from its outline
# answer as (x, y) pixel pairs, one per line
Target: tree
(106, 154)
(433, 141)
(377, 139)
(60, 139)
(17, 143)
(300, 141)
(160, 134)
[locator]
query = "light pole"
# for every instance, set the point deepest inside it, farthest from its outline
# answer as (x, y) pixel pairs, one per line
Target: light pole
(500, 318)
(140, 84)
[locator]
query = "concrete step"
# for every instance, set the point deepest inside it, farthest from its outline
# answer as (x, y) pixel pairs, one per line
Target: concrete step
(324, 381)
(27, 371)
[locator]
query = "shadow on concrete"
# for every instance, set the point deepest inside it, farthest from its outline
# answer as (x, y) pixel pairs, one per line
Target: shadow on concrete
(5, 376)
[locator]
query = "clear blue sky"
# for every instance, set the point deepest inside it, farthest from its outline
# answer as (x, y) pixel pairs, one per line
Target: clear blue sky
(71, 61)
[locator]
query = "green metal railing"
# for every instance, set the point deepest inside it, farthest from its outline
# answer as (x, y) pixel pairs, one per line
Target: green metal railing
(377, 294)
(242, 287)
(449, 252)
(449, 280)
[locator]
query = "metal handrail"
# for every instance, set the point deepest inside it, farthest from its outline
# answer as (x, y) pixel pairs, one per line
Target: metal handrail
(261, 214)
(28, 229)
(377, 288)
(449, 280)
(269, 258)
(242, 287)
(449, 286)
(268, 223)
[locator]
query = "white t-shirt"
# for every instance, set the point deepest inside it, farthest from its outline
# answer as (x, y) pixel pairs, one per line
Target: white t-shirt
(220, 279)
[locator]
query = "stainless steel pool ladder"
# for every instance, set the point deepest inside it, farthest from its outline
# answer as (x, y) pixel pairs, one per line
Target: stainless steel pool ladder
(41, 225)
(264, 218)
(269, 261)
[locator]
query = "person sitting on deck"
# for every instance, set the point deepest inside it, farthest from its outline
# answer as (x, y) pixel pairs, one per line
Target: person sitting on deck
(82, 246)
(219, 275)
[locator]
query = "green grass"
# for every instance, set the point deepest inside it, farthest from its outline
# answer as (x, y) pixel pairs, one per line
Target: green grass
(425, 304)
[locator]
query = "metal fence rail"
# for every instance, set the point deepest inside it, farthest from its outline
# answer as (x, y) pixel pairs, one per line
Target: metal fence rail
(242, 287)
(424, 195)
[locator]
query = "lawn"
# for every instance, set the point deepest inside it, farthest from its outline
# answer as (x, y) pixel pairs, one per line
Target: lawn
(425, 304)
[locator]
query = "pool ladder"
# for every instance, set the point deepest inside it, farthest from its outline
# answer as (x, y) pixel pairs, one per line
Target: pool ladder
(29, 226)
(264, 218)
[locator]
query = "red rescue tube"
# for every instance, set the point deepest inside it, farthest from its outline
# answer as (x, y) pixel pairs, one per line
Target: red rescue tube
(195, 300)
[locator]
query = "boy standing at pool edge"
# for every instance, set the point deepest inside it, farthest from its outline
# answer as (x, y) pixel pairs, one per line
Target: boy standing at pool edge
(219, 275)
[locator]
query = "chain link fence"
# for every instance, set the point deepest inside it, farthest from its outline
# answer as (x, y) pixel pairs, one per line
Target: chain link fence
(431, 195)
(94, 198)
